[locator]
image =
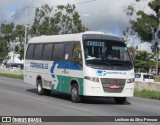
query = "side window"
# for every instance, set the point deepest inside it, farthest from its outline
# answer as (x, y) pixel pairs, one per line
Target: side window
(30, 50)
(146, 76)
(38, 51)
(137, 75)
(77, 54)
(68, 51)
(47, 51)
(58, 52)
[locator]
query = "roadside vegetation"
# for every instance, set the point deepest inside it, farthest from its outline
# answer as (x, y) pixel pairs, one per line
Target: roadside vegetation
(1, 58)
(144, 26)
(147, 94)
(12, 75)
(158, 79)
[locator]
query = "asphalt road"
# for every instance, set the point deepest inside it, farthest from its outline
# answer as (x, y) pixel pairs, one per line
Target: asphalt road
(20, 99)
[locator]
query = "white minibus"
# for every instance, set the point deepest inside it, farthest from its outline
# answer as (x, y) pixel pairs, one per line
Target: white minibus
(90, 64)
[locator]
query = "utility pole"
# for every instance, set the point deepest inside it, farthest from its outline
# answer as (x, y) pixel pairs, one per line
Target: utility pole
(25, 41)
(157, 55)
(157, 38)
(26, 30)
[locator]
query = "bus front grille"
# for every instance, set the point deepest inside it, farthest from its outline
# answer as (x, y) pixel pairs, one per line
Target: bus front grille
(113, 85)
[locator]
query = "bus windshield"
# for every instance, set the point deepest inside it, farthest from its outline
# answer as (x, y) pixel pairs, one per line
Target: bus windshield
(104, 52)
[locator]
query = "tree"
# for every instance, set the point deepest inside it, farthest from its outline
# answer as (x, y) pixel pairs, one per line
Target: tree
(145, 25)
(7, 32)
(144, 60)
(128, 39)
(61, 20)
(132, 51)
(3, 48)
(6, 36)
(11, 39)
(20, 34)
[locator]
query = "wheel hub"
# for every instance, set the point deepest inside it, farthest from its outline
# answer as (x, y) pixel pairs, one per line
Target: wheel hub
(39, 88)
(74, 93)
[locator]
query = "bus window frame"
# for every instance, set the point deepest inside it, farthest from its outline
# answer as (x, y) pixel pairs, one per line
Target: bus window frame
(51, 51)
(40, 51)
(26, 56)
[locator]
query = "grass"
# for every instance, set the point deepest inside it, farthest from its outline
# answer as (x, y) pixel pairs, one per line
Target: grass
(1, 58)
(12, 76)
(147, 94)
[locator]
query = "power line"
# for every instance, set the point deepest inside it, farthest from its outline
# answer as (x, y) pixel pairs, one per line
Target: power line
(74, 3)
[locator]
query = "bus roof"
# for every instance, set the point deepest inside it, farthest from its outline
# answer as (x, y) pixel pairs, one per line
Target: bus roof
(73, 37)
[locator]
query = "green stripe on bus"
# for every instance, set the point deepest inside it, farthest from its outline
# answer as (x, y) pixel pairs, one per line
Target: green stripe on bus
(64, 84)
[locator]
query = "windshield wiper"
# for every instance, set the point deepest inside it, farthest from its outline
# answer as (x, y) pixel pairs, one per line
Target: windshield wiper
(129, 67)
(96, 61)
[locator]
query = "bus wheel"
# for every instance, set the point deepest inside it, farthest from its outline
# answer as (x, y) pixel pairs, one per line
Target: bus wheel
(75, 94)
(40, 89)
(120, 100)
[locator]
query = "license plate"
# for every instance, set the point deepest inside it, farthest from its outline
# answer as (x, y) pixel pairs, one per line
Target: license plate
(114, 86)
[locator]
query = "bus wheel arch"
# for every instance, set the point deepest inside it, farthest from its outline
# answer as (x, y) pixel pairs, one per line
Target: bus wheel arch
(74, 91)
(40, 89)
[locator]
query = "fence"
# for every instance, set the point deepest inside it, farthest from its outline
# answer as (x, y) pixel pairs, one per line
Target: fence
(148, 86)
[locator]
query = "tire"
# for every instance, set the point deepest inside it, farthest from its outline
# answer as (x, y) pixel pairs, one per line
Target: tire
(120, 100)
(75, 97)
(40, 89)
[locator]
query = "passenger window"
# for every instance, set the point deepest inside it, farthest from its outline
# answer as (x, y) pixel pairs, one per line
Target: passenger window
(47, 52)
(68, 51)
(38, 51)
(77, 54)
(58, 52)
(30, 50)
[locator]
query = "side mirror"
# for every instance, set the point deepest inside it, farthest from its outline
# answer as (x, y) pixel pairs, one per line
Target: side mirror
(66, 56)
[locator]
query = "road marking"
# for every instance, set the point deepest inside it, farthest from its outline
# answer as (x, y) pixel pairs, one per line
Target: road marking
(22, 95)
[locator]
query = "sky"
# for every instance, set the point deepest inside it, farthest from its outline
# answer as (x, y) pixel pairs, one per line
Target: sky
(99, 15)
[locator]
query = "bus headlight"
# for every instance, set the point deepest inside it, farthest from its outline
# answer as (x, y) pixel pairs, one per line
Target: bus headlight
(94, 79)
(130, 80)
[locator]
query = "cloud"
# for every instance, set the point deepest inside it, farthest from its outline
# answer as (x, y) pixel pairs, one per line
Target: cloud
(145, 46)
(101, 15)
(110, 15)
(8, 7)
